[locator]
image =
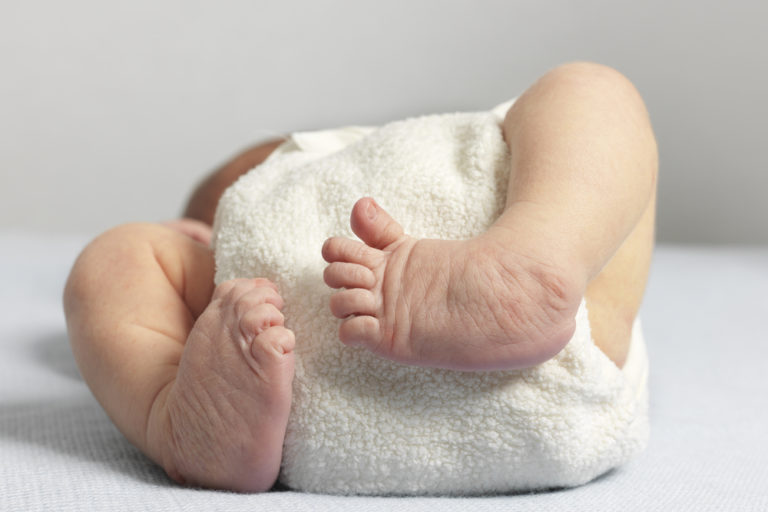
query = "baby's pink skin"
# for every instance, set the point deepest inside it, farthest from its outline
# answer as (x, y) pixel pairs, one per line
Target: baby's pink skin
(466, 305)
(228, 409)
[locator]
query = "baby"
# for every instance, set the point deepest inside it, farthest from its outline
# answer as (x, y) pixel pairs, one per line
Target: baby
(199, 376)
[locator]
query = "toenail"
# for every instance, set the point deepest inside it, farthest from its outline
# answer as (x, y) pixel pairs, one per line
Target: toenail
(371, 211)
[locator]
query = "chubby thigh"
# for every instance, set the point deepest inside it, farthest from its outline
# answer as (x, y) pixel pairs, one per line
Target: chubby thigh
(130, 301)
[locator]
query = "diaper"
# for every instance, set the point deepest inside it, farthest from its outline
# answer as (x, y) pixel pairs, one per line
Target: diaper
(360, 424)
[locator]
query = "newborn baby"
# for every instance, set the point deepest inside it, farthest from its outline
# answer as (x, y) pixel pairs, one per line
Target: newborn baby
(199, 377)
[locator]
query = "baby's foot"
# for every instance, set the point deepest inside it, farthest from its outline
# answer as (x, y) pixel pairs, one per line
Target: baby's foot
(466, 305)
(228, 408)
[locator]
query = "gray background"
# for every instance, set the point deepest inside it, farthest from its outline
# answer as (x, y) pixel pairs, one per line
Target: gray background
(111, 111)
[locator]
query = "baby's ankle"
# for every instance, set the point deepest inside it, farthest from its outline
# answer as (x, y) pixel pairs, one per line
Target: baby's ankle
(546, 294)
(527, 232)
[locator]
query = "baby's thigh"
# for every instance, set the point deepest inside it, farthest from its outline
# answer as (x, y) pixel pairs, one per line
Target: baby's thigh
(130, 302)
(141, 274)
(614, 296)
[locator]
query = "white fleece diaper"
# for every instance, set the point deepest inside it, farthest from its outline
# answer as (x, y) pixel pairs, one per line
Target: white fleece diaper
(360, 424)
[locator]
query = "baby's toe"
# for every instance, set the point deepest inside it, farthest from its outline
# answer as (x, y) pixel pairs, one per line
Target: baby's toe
(346, 250)
(360, 330)
(258, 319)
(271, 355)
(353, 302)
(374, 225)
(255, 297)
(233, 289)
(348, 275)
(277, 339)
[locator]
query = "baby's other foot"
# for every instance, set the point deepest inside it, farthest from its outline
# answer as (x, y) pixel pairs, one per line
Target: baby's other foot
(468, 305)
(228, 408)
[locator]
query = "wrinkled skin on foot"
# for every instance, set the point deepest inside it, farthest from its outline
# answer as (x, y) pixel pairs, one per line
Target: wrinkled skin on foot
(225, 415)
(467, 305)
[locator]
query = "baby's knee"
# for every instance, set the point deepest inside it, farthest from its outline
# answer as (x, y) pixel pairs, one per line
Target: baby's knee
(588, 80)
(594, 76)
(111, 252)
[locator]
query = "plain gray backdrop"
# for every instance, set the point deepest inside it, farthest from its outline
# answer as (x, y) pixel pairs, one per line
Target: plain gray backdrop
(111, 111)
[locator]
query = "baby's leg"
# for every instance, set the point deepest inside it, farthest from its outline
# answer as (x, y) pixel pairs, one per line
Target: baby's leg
(197, 378)
(578, 221)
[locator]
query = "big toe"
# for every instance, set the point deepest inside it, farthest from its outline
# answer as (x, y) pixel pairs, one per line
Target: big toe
(373, 225)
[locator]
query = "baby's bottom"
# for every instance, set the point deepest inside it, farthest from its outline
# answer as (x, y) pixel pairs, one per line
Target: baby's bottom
(199, 378)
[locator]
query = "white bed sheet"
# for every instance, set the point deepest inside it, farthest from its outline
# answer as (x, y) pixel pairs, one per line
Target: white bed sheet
(704, 318)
